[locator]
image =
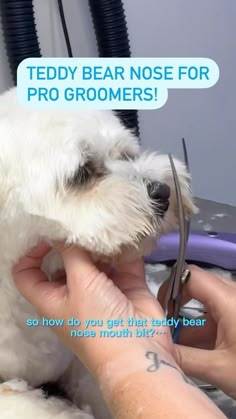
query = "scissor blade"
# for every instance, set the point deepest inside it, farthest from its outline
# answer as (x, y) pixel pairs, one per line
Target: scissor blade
(186, 160)
(169, 293)
(182, 232)
(185, 153)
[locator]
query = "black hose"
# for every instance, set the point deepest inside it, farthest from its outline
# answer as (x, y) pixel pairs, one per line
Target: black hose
(64, 28)
(19, 31)
(112, 39)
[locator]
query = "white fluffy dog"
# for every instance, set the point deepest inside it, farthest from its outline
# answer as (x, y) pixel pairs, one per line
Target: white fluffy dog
(78, 176)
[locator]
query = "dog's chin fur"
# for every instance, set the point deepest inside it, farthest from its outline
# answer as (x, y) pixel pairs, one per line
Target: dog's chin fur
(77, 176)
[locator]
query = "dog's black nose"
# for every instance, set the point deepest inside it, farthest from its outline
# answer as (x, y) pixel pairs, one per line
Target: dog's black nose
(160, 193)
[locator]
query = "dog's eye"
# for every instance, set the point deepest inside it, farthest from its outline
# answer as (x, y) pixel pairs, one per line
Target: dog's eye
(82, 175)
(86, 173)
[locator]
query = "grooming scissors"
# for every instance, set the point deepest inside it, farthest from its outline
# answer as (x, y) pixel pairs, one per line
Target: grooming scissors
(180, 272)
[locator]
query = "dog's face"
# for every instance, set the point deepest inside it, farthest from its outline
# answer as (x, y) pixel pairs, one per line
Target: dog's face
(85, 172)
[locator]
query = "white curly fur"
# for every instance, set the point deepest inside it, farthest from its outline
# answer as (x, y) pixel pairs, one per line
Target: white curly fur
(40, 152)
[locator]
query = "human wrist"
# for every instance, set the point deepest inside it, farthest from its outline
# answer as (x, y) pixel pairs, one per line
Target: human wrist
(132, 381)
(139, 358)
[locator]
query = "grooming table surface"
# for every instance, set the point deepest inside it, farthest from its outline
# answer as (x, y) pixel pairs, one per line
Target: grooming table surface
(214, 216)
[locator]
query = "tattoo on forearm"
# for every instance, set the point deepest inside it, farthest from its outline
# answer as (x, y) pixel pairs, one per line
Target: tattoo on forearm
(157, 362)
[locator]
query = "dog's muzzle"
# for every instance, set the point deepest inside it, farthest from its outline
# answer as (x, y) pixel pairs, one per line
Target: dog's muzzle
(160, 194)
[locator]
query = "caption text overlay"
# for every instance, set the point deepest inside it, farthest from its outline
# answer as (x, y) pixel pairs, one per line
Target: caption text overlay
(116, 328)
(109, 83)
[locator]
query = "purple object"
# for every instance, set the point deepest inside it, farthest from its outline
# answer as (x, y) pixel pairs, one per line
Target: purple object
(217, 249)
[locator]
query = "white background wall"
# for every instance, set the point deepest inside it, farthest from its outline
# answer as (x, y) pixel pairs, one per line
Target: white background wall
(206, 118)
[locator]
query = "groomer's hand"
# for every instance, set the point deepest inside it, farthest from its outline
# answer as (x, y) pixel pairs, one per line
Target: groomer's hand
(138, 376)
(209, 352)
(87, 293)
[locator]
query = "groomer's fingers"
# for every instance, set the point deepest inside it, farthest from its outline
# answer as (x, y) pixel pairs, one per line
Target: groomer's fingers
(33, 259)
(82, 271)
(32, 283)
(214, 292)
(134, 268)
(79, 267)
(102, 267)
(210, 289)
(200, 337)
(130, 276)
(200, 363)
(85, 279)
(162, 294)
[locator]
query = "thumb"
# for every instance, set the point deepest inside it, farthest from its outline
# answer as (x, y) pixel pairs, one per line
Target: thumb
(96, 291)
(199, 363)
(81, 271)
